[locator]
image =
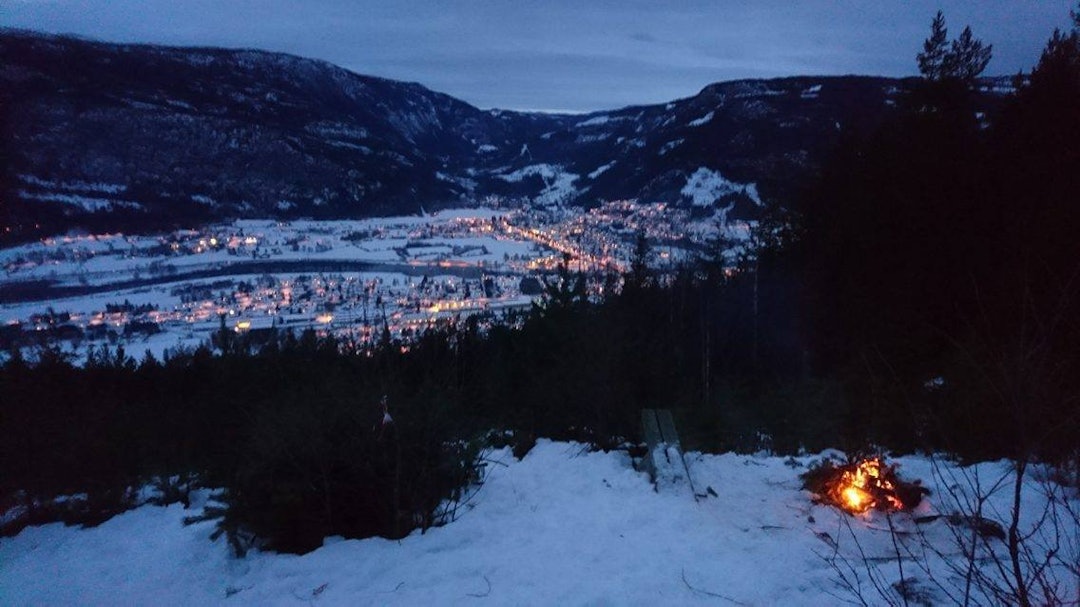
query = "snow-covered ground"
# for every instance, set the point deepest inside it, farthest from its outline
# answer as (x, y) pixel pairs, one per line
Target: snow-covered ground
(705, 186)
(563, 526)
(105, 259)
(417, 270)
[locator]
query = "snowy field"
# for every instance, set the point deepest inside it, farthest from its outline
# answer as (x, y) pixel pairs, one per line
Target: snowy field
(172, 289)
(105, 259)
(409, 269)
(561, 527)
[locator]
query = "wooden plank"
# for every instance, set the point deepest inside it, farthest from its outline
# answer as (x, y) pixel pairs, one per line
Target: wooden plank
(665, 461)
(667, 428)
(652, 438)
(651, 427)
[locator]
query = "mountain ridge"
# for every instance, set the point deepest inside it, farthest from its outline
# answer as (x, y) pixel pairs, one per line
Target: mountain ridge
(138, 137)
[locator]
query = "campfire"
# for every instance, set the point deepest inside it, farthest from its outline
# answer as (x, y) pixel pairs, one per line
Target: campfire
(868, 484)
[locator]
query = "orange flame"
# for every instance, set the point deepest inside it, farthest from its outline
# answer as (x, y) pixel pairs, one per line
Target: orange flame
(864, 487)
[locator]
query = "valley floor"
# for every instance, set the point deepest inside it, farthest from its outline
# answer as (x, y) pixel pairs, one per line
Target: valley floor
(562, 526)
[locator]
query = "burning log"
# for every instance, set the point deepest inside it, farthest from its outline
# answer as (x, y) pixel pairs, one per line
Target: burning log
(868, 484)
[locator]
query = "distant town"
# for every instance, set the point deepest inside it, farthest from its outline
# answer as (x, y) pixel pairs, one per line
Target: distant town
(356, 279)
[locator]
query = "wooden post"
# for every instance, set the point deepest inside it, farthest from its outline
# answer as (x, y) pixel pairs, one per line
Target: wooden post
(664, 460)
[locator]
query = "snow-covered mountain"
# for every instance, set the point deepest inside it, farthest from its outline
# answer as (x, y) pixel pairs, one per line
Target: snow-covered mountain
(136, 136)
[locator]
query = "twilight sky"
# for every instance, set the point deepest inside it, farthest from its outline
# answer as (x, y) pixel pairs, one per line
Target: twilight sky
(571, 55)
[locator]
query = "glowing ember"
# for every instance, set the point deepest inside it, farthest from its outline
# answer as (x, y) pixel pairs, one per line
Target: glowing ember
(862, 486)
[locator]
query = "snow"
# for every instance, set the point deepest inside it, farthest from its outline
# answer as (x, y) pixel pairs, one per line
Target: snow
(363, 149)
(74, 186)
(336, 130)
(464, 182)
(176, 103)
(87, 203)
(561, 526)
(671, 145)
(583, 139)
(558, 183)
(705, 186)
(102, 259)
(702, 121)
(750, 90)
(594, 121)
(391, 251)
(546, 171)
(601, 169)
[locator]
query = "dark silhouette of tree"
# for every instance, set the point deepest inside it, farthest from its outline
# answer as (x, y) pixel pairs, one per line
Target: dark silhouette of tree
(949, 72)
(935, 48)
(639, 262)
(565, 292)
(940, 247)
(967, 58)
(963, 59)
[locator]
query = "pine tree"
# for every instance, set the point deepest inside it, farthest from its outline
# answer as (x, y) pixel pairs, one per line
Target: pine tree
(1059, 66)
(963, 59)
(967, 57)
(935, 48)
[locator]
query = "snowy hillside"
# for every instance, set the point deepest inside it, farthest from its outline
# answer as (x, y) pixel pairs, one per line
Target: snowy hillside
(563, 526)
(139, 137)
